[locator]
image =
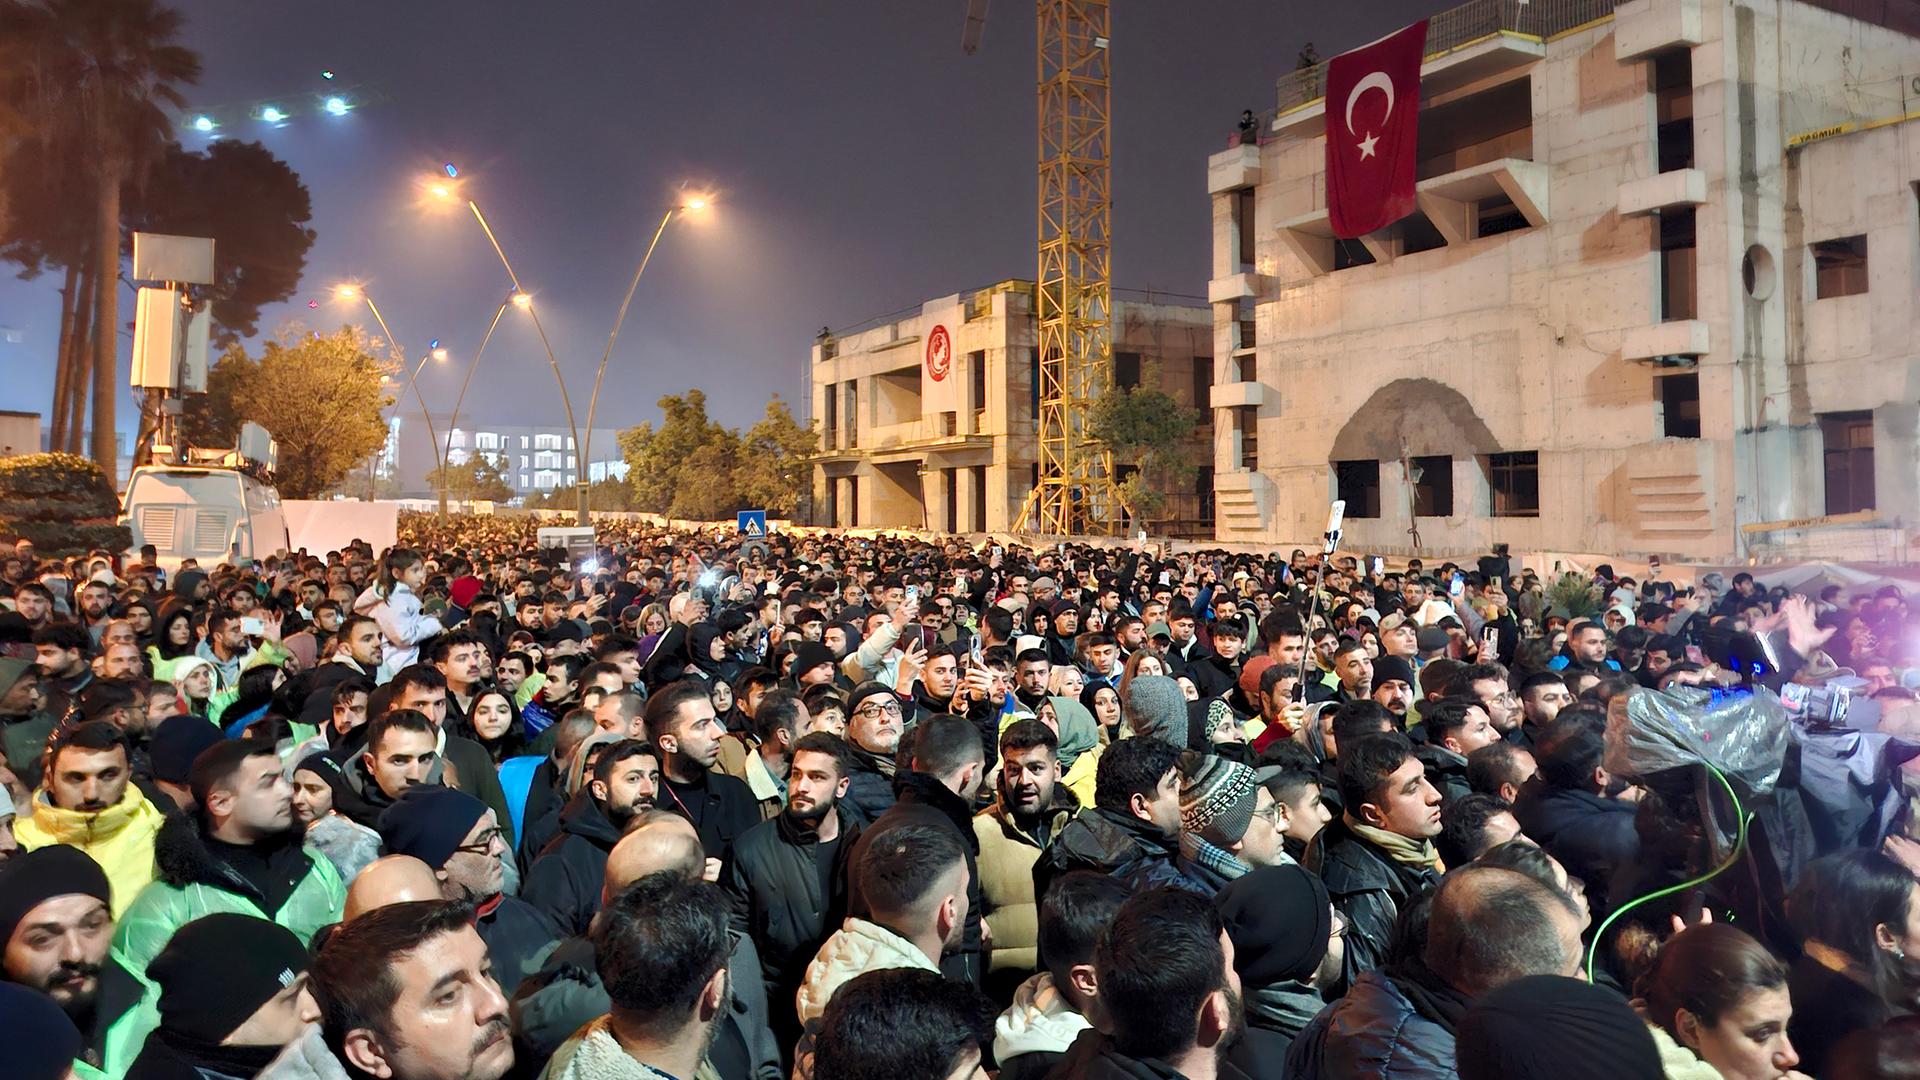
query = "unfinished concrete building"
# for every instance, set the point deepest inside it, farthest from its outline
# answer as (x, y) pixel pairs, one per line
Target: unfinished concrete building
(928, 420)
(1657, 298)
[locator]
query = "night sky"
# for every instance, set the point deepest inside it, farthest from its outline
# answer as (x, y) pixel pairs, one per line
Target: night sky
(861, 163)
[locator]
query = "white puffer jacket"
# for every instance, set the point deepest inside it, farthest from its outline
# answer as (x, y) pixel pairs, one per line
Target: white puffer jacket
(1040, 1020)
(402, 623)
(855, 949)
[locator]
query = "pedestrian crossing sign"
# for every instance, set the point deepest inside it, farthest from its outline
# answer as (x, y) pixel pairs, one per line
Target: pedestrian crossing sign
(753, 524)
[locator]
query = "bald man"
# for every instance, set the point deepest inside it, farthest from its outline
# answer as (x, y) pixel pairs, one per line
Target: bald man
(567, 993)
(388, 880)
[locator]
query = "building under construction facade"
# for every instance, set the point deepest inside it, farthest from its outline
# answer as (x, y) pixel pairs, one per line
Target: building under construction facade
(1657, 297)
(929, 420)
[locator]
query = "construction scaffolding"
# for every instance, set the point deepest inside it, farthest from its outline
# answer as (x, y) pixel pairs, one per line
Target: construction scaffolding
(1073, 295)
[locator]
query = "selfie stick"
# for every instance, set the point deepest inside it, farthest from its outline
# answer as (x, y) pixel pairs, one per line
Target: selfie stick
(1335, 513)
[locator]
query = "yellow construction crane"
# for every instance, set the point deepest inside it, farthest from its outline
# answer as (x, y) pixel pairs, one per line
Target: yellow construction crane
(1073, 296)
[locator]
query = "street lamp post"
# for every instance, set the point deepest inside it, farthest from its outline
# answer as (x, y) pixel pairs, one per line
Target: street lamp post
(464, 383)
(355, 292)
(692, 203)
(523, 300)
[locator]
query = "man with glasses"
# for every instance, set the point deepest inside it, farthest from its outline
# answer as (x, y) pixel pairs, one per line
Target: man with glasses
(456, 835)
(1487, 684)
(875, 721)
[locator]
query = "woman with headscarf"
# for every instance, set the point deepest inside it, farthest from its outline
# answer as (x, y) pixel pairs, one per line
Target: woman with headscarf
(706, 652)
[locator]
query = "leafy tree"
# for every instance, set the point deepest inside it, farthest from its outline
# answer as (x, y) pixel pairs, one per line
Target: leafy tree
(320, 396)
(774, 471)
(94, 79)
(612, 493)
(692, 467)
(253, 206)
(476, 478)
(1147, 432)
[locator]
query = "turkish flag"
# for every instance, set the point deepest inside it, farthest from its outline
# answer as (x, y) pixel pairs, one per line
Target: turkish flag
(1373, 131)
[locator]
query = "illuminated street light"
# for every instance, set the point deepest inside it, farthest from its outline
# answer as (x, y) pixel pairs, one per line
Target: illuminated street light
(327, 74)
(347, 291)
(439, 356)
(204, 124)
(689, 203)
(272, 114)
(446, 191)
(336, 106)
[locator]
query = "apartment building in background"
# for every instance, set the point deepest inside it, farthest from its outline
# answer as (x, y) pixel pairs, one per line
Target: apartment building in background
(1658, 297)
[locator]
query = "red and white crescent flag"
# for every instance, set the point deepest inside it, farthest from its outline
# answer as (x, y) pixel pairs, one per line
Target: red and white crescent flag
(1373, 131)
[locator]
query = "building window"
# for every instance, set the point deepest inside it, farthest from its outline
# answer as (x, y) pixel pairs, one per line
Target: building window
(1679, 274)
(1350, 253)
(1839, 267)
(1203, 383)
(1680, 406)
(487, 440)
(1673, 109)
(1033, 381)
(546, 442)
(830, 421)
(1514, 480)
(1248, 370)
(977, 380)
(1249, 422)
(1432, 479)
(1498, 215)
(523, 442)
(1418, 234)
(1847, 438)
(523, 461)
(1126, 369)
(1243, 221)
(1358, 484)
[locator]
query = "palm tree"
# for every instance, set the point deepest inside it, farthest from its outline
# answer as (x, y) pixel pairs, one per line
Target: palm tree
(98, 75)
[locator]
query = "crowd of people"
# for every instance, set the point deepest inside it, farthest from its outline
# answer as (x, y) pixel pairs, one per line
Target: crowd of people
(885, 809)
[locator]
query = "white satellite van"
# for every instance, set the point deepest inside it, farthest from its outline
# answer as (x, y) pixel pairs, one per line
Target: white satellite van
(217, 506)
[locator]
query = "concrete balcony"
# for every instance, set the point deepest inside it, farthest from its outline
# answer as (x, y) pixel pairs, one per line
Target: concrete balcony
(1679, 343)
(1236, 395)
(1449, 200)
(1641, 27)
(1230, 170)
(1681, 187)
(1242, 286)
(1301, 108)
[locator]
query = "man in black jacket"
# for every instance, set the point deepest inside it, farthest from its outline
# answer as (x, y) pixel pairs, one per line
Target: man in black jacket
(947, 770)
(1132, 833)
(1569, 808)
(564, 881)
(788, 876)
(1455, 727)
(1380, 855)
(682, 724)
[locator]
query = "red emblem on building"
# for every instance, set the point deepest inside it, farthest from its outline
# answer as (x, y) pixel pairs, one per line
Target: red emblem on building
(939, 354)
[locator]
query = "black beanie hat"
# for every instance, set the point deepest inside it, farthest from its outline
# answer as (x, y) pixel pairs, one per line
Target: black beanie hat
(176, 742)
(41, 1040)
(808, 655)
(32, 878)
(218, 970)
(1550, 1026)
(1279, 919)
(428, 821)
(1391, 668)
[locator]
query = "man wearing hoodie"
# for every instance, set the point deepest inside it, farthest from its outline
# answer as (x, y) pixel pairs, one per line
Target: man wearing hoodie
(24, 726)
(88, 803)
(1051, 1009)
(565, 880)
